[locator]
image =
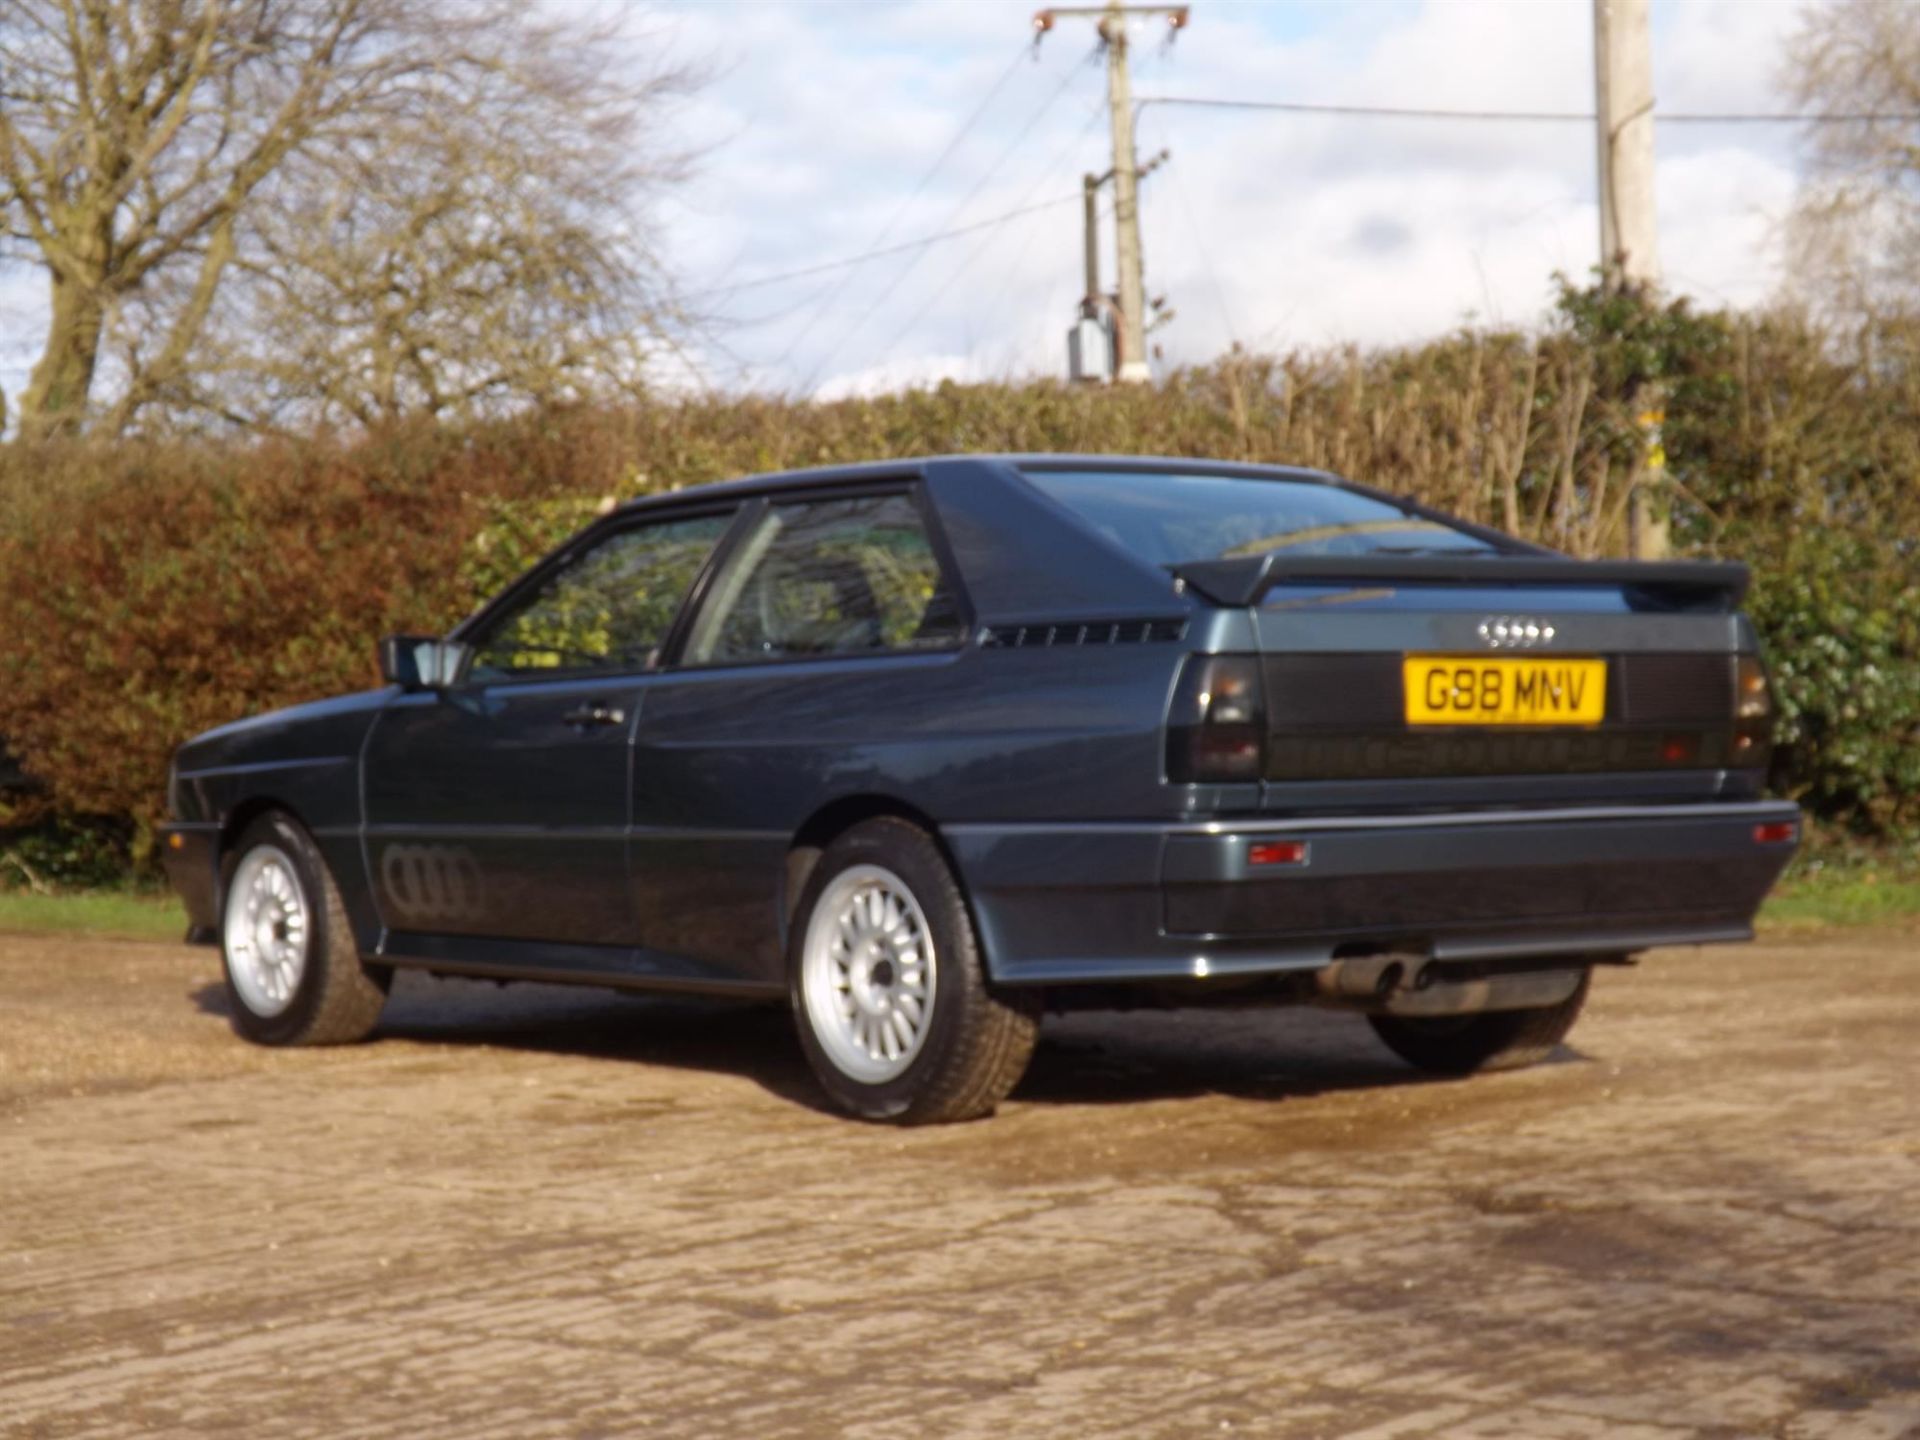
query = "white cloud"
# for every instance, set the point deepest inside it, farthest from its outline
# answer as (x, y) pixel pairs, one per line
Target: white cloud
(912, 373)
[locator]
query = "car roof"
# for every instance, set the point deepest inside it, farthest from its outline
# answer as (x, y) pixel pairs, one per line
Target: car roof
(915, 467)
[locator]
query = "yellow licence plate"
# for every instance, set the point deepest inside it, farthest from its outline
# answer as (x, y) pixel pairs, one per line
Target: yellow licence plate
(1454, 690)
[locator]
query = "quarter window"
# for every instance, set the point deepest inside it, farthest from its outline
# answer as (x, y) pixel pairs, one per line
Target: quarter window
(829, 577)
(606, 610)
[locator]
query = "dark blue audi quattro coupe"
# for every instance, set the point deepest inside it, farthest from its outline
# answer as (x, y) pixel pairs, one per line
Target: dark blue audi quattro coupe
(926, 748)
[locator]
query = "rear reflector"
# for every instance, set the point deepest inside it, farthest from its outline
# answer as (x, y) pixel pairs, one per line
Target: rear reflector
(1778, 832)
(1277, 852)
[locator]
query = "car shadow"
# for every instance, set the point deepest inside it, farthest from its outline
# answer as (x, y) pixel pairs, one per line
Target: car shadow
(1091, 1058)
(1251, 1053)
(754, 1041)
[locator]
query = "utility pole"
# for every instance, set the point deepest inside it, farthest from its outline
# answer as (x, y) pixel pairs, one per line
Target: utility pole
(1126, 203)
(1090, 341)
(1629, 237)
(1111, 21)
(1623, 104)
(1090, 231)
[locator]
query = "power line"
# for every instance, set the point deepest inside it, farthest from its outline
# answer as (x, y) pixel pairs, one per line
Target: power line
(1827, 117)
(1401, 112)
(1378, 111)
(900, 249)
(1205, 252)
(900, 210)
(978, 249)
(887, 290)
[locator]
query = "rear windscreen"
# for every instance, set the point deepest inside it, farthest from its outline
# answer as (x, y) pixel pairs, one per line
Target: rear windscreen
(1168, 518)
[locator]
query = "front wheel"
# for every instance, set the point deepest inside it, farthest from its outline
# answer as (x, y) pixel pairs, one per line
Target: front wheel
(888, 986)
(294, 975)
(1494, 1040)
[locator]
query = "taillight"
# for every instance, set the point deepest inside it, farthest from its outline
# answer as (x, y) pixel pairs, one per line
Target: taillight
(1752, 711)
(1216, 732)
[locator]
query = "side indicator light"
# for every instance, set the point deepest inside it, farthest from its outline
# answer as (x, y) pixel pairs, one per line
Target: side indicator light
(1778, 832)
(176, 842)
(1277, 852)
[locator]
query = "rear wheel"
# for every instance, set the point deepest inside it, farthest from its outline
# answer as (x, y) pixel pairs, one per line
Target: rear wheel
(1494, 1040)
(294, 975)
(888, 986)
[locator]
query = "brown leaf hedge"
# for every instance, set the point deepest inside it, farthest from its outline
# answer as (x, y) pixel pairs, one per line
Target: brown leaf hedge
(151, 590)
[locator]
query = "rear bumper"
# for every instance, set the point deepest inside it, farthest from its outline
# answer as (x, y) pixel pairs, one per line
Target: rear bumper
(191, 855)
(1103, 903)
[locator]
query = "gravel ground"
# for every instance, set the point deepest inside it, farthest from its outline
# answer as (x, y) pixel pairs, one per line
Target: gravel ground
(533, 1212)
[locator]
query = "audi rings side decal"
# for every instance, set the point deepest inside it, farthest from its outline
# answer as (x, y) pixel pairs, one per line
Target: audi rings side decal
(432, 882)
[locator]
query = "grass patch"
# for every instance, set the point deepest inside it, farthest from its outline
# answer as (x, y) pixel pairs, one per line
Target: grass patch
(1820, 901)
(115, 914)
(1831, 884)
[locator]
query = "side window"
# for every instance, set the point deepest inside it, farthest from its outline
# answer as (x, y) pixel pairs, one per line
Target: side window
(608, 609)
(829, 577)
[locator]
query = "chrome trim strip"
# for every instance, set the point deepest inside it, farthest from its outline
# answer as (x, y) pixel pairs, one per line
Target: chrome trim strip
(1404, 820)
(483, 832)
(1284, 957)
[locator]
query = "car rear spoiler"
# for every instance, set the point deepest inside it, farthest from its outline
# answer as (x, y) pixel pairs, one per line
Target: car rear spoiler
(1663, 584)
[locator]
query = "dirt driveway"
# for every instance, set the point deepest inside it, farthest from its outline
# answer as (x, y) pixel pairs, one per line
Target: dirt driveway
(536, 1212)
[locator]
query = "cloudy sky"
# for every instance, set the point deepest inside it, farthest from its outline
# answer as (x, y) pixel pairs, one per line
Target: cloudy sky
(1268, 229)
(822, 122)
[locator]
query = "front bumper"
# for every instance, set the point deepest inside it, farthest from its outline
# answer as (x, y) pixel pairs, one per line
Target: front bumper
(191, 854)
(1103, 903)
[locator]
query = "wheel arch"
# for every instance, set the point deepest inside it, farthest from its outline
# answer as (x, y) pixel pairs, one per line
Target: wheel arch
(830, 821)
(232, 826)
(244, 814)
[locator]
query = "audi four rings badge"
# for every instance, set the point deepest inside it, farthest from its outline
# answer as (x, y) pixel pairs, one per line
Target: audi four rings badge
(1515, 632)
(433, 882)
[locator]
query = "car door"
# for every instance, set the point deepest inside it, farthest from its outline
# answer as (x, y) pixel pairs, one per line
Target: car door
(498, 807)
(803, 675)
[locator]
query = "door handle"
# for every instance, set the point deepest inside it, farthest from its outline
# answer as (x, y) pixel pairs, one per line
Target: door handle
(587, 716)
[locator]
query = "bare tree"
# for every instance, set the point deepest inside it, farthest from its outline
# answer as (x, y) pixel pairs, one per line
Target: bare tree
(1855, 232)
(273, 210)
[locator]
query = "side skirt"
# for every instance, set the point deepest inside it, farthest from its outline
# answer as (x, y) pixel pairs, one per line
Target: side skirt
(618, 967)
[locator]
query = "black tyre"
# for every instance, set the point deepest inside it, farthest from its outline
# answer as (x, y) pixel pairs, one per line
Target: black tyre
(889, 990)
(294, 975)
(1469, 1044)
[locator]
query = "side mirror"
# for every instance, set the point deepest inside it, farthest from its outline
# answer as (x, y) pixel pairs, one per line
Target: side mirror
(421, 662)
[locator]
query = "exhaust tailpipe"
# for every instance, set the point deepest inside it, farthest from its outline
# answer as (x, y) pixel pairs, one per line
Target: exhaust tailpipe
(1372, 977)
(1412, 985)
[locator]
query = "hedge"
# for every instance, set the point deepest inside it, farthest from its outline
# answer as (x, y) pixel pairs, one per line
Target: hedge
(152, 589)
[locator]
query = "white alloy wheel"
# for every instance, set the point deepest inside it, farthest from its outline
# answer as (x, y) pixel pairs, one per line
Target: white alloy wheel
(867, 974)
(267, 930)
